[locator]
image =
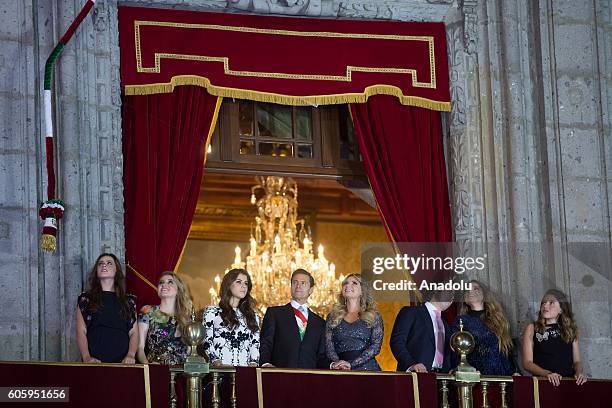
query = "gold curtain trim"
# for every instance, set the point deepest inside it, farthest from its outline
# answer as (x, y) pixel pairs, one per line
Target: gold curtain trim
(225, 60)
(145, 280)
(315, 100)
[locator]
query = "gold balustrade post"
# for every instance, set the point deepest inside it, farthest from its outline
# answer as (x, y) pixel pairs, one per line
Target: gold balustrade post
(216, 396)
(445, 403)
(462, 342)
(172, 389)
(194, 399)
(504, 402)
(464, 390)
(195, 366)
(485, 396)
(233, 398)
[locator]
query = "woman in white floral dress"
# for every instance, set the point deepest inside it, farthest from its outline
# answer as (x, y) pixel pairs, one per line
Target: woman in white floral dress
(232, 328)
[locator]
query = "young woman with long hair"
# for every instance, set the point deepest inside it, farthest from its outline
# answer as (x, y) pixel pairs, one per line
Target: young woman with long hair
(106, 327)
(550, 344)
(161, 326)
(354, 328)
(232, 327)
(483, 317)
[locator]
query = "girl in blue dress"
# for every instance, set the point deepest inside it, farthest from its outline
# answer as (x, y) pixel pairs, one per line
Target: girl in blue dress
(483, 317)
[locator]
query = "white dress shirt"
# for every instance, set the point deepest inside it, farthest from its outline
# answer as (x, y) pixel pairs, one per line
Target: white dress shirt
(430, 308)
(303, 308)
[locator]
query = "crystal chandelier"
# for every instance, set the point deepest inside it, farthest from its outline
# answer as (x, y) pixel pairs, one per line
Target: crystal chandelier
(281, 243)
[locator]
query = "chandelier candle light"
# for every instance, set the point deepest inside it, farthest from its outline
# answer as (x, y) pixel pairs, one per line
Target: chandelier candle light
(280, 243)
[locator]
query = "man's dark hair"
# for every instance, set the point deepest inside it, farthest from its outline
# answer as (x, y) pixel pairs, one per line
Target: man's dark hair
(435, 295)
(303, 272)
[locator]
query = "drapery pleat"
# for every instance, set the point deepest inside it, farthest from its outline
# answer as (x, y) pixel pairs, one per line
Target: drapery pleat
(403, 156)
(165, 138)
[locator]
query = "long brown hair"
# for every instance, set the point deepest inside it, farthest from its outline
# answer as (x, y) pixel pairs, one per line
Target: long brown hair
(566, 322)
(367, 306)
(493, 317)
(246, 305)
(182, 302)
(95, 288)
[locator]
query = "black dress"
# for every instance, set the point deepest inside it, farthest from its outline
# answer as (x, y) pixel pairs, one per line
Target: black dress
(552, 353)
(107, 332)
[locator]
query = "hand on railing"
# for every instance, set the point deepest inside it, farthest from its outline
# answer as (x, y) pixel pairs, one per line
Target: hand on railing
(554, 378)
(580, 378)
(341, 365)
(418, 368)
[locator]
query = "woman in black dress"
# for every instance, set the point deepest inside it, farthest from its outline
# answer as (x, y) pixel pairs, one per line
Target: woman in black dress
(550, 344)
(106, 316)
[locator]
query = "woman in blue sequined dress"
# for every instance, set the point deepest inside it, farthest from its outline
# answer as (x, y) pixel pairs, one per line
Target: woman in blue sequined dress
(354, 329)
(483, 317)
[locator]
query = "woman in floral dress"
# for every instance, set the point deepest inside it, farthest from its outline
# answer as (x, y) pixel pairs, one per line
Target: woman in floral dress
(160, 327)
(232, 328)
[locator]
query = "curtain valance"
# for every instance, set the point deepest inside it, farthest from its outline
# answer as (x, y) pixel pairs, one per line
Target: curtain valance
(285, 60)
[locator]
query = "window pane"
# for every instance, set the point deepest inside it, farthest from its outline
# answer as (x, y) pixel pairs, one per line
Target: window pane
(247, 147)
(275, 149)
(246, 118)
(348, 145)
(304, 151)
(274, 120)
(304, 123)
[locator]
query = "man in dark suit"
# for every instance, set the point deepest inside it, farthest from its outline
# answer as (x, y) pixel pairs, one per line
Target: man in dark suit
(293, 336)
(420, 336)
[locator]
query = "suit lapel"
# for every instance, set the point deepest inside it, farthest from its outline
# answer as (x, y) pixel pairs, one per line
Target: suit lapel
(309, 326)
(292, 323)
(426, 318)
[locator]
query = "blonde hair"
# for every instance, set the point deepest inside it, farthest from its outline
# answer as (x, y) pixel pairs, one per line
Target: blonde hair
(367, 306)
(566, 322)
(182, 302)
(493, 318)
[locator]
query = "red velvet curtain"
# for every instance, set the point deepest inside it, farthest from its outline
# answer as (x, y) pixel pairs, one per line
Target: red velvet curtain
(403, 155)
(164, 144)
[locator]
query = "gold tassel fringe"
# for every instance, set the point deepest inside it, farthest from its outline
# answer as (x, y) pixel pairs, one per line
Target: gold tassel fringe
(48, 243)
(312, 100)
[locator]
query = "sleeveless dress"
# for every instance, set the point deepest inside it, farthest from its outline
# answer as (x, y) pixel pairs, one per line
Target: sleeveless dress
(107, 331)
(552, 353)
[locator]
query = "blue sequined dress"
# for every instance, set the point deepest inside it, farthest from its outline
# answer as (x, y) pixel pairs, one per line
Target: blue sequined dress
(355, 342)
(486, 356)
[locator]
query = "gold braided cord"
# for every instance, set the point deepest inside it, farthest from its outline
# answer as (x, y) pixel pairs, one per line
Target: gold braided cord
(324, 34)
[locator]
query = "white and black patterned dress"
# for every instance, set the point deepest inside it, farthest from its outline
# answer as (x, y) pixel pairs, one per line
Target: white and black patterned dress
(238, 346)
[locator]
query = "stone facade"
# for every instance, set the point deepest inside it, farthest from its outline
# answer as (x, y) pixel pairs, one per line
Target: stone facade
(528, 153)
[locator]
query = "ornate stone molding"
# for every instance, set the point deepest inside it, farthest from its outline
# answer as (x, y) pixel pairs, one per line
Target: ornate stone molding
(469, 10)
(287, 7)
